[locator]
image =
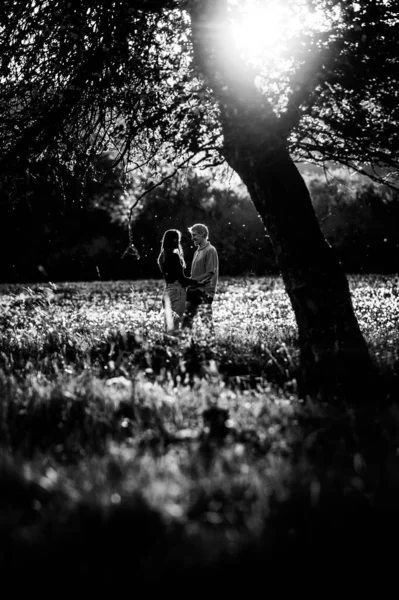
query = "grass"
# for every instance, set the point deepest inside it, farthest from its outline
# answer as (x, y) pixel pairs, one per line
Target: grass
(127, 458)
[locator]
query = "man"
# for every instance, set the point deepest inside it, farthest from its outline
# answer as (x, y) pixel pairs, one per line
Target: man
(204, 268)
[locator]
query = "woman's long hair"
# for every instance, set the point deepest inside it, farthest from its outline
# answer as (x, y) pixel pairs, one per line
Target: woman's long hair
(171, 245)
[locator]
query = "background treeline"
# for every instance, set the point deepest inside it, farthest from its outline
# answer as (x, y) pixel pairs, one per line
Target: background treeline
(46, 234)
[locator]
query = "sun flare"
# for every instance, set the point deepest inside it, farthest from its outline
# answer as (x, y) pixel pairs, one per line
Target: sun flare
(262, 29)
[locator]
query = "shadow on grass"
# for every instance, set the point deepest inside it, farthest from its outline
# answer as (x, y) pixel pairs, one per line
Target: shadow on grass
(336, 520)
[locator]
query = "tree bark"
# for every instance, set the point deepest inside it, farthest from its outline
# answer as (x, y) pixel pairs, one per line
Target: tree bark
(334, 359)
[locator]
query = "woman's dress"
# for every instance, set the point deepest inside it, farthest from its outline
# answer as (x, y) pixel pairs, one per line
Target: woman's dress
(174, 294)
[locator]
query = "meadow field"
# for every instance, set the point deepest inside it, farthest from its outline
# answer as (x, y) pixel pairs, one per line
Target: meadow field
(129, 455)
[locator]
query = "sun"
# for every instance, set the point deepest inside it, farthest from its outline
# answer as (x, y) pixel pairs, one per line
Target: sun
(261, 29)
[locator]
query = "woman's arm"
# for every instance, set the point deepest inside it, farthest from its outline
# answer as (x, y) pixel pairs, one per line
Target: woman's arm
(179, 273)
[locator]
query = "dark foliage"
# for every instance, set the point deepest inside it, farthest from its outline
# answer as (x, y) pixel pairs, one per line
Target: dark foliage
(47, 235)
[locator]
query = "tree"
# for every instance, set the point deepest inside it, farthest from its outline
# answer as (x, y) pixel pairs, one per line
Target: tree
(157, 75)
(256, 149)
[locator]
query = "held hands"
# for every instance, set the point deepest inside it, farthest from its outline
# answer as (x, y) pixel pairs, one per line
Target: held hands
(205, 281)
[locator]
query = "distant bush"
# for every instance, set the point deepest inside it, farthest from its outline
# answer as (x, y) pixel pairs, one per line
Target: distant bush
(359, 218)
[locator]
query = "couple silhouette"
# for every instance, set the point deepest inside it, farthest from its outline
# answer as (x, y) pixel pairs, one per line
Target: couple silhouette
(182, 296)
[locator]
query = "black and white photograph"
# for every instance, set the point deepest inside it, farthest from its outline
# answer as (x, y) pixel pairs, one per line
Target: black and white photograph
(199, 298)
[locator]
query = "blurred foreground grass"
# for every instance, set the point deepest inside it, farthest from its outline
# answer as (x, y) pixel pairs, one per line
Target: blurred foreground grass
(125, 456)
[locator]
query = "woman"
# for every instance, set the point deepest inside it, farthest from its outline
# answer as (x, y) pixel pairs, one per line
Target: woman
(171, 262)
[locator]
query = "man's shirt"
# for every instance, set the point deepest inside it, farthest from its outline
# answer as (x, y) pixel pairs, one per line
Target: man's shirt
(206, 261)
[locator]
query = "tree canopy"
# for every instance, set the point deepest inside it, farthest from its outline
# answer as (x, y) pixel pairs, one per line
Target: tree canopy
(81, 78)
(351, 115)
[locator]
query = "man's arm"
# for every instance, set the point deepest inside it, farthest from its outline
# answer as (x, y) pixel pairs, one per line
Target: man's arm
(212, 261)
(206, 275)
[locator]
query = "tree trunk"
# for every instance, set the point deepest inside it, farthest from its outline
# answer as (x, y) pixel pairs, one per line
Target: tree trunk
(335, 363)
(334, 357)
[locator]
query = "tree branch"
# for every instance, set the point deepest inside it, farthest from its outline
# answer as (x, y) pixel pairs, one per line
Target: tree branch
(131, 247)
(304, 85)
